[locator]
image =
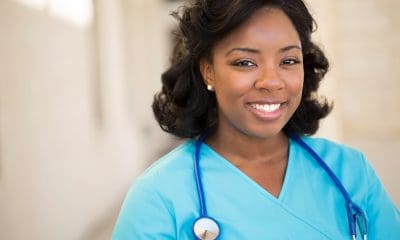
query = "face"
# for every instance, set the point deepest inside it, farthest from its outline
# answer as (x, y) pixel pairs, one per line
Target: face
(257, 73)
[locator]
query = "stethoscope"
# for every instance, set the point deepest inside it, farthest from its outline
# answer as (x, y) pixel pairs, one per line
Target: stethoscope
(207, 228)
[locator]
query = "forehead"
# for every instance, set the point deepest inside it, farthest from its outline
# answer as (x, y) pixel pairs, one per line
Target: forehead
(266, 28)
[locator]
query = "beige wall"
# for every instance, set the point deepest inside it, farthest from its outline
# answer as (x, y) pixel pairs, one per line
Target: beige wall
(373, 121)
(75, 122)
(361, 39)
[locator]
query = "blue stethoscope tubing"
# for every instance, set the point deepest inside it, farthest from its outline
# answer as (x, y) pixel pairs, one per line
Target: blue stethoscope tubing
(354, 213)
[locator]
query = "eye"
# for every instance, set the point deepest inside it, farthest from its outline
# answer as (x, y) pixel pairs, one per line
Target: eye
(290, 61)
(244, 63)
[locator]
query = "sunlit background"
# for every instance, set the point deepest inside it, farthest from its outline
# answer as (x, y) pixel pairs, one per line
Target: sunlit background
(77, 78)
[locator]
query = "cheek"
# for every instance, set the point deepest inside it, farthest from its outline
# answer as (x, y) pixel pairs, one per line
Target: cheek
(231, 85)
(295, 84)
(294, 87)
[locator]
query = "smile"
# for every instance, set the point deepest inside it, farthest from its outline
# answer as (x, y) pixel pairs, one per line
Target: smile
(265, 107)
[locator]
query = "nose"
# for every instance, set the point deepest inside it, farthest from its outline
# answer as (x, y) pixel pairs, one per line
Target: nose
(269, 79)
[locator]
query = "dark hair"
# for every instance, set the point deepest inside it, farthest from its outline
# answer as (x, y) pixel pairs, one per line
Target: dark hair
(185, 108)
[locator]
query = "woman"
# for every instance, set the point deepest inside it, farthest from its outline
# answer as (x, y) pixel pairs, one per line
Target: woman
(244, 77)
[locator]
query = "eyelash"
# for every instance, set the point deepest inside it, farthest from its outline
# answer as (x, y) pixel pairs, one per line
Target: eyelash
(244, 63)
(248, 63)
(290, 61)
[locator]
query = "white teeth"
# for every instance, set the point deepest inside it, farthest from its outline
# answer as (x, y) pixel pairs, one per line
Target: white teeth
(266, 107)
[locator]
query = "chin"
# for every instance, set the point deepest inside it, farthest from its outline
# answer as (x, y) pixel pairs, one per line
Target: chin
(263, 133)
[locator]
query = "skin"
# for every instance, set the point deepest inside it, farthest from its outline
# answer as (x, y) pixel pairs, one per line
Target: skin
(259, 62)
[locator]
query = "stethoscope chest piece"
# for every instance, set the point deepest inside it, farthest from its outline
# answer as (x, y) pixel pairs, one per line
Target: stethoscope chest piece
(205, 228)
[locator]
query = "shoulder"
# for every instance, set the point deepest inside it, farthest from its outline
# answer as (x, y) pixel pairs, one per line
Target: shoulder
(168, 179)
(361, 182)
(170, 167)
(348, 164)
(326, 145)
(334, 153)
(149, 206)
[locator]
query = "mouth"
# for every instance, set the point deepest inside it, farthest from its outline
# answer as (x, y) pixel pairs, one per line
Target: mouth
(267, 111)
(265, 107)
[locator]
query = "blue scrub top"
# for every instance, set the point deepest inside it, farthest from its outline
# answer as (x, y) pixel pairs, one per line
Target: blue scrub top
(163, 201)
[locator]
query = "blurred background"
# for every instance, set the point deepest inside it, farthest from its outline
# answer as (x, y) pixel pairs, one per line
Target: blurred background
(77, 78)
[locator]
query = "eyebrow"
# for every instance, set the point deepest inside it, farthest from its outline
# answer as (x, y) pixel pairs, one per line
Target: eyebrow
(290, 47)
(249, 50)
(252, 50)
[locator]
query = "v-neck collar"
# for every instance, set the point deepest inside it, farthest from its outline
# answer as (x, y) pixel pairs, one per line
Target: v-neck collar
(286, 180)
(213, 161)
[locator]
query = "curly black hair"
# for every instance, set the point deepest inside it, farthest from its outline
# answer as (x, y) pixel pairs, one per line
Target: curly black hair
(185, 108)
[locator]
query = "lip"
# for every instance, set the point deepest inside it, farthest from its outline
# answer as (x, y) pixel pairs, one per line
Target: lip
(267, 116)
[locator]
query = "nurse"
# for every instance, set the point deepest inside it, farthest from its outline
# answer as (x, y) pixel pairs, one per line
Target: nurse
(247, 73)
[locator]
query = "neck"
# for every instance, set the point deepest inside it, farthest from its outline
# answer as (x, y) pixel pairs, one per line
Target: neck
(240, 148)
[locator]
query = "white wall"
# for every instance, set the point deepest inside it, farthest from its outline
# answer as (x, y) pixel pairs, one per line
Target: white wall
(68, 150)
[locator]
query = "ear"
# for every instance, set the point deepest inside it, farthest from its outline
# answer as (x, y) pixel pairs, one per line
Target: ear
(207, 72)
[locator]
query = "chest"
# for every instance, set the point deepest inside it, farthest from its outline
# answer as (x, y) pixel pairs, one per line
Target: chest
(270, 176)
(273, 201)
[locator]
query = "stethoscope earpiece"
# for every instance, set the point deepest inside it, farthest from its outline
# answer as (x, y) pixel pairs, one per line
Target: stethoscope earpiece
(205, 228)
